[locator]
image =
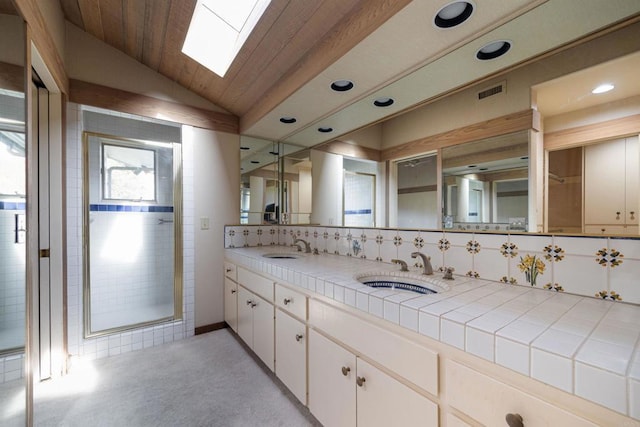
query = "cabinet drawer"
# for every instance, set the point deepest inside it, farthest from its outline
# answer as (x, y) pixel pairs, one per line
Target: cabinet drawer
(230, 270)
(611, 229)
(488, 401)
(255, 283)
(411, 361)
(292, 301)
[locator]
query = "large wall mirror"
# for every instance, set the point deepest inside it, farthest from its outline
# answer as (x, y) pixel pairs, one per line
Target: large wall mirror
(485, 184)
(12, 218)
(592, 149)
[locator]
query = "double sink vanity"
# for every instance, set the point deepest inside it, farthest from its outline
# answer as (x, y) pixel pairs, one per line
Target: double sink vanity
(360, 342)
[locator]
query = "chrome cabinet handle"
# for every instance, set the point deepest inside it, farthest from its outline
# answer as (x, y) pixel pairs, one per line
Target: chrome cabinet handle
(617, 215)
(299, 337)
(633, 215)
(345, 370)
(287, 301)
(253, 304)
(229, 270)
(249, 302)
(233, 291)
(514, 420)
(360, 381)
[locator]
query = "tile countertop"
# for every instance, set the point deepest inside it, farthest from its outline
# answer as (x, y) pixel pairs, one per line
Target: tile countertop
(582, 345)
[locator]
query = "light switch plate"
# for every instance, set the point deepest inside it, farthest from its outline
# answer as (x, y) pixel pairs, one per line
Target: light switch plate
(204, 223)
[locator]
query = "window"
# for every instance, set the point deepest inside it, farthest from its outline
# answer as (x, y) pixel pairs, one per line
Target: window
(128, 173)
(12, 161)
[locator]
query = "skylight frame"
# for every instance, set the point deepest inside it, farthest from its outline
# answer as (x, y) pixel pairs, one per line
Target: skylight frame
(213, 21)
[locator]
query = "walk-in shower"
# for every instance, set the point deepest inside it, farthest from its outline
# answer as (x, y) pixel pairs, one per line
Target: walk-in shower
(12, 229)
(132, 232)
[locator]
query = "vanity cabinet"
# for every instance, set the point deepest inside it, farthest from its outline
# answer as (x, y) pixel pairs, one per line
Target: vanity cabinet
(346, 390)
(489, 401)
(612, 171)
(291, 354)
(291, 340)
(256, 324)
(231, 303)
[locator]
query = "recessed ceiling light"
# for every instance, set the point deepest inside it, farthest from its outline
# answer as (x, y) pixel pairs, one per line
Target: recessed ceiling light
(288, 120)
(483, 169)
(255, 162)
(245, 148)
(325, 130)
(383, 102)
(606, 87)
(342, 85)
(275, 153)
(472, 166)
(493, 50)
(524, 158)
(453, 14)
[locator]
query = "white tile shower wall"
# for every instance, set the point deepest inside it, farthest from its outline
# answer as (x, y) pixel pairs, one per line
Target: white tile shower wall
(600, 267)
(141, 337)
(12, 296)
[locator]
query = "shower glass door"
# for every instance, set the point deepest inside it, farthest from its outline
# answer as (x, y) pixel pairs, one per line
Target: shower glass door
(130, 223)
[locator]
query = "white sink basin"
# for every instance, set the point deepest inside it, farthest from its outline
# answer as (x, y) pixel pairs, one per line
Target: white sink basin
(282, 255)
(403, 282)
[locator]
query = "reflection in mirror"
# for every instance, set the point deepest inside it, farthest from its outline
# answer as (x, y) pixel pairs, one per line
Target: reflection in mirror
(12, 219)
(417, 192)
(359, 193)
(565, 191)
(296, 185)
(485, 184)
(259, 181)
(610, 203)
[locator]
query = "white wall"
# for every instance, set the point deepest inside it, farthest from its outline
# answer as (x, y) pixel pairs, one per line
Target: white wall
(93, 61)
(327, 188)
(217, 197)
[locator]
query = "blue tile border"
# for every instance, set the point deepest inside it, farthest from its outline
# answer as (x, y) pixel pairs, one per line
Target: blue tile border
(12, 206)
(129, 208)
(358, 212)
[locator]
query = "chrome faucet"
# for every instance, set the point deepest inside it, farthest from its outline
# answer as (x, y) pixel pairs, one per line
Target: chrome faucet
(403, 265)
(426, 262)
(307, 246)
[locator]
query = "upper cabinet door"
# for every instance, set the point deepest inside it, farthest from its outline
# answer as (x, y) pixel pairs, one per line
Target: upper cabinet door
(632, 157)
(604, 183)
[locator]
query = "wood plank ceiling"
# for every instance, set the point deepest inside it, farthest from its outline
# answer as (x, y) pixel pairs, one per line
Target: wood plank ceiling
(293, 42)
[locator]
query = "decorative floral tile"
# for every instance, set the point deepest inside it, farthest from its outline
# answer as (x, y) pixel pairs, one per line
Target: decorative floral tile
(444, 244)
(418, 242)
(553, 253)
(609, 257)
(509, 250)
(473, 247)
(532, 266)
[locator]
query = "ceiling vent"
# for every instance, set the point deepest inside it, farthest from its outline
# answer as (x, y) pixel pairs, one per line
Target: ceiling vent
(498, 89)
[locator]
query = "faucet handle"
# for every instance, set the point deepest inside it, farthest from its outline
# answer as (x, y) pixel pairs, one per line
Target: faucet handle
(403, 265)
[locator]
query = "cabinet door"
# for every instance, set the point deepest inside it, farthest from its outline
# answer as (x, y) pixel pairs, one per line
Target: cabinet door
(332, 389)
(245, 315)
(231, 304)
(263, 333)
(604, 182)
(384, 401)
(291, 354)
(632, 158)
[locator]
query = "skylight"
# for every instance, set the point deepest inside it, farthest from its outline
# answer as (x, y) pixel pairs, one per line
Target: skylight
(218, 30)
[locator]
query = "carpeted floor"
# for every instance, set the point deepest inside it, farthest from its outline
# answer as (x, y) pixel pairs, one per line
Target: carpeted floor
(206, 380)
